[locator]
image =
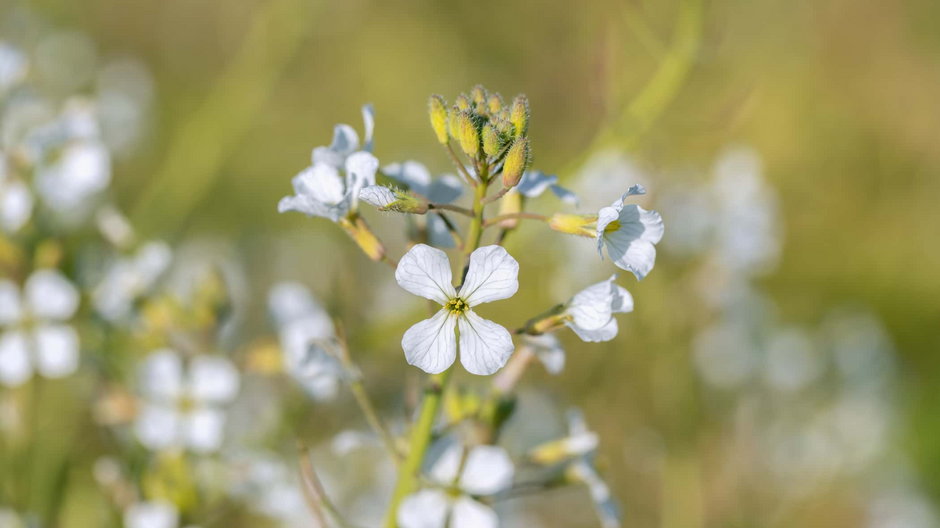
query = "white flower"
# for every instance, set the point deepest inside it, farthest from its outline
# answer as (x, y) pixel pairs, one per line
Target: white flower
(129, 278)
(183, 407)
(487, 470)
(629, 233)
(151, 514)
(377, 195)
(535, 182)
(13, 66)
(304, 328)
(319, 189)
(443, 190)
(82, 169)
(548, 350)
(591, 311)
(431, 345)
(16, 202)
(34, 334)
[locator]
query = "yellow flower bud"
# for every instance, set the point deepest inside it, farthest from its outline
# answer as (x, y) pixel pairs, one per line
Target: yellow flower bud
(453, 123)
(462, 103)
(495, 103)
(573, 224)
(519, 115)
(437, 109)
(516, 161)
(509, 204)
(491, 140)
(478, 95)
(468, 135)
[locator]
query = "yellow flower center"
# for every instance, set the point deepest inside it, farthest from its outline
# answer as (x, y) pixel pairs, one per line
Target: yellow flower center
(613, 226)
(456, 306)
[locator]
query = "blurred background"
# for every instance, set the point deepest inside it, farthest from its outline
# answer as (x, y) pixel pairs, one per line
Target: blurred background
(780, 368)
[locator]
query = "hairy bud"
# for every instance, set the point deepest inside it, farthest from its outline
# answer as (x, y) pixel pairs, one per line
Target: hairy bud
(437, 110)
(491, 140)
(462, 103)
(478, 95)
(468, 135)
(516, 161)
(494, 104)
(519, 115)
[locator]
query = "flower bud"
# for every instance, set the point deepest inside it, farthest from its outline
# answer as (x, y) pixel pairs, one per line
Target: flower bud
(515, 163)
(453, 122)
(386, 199)
(494, 104)
(478, 95)
(491, 140)
(574, 224)
(509, 204)
(438, 113)
(519, 115)
(462, 103)
(468, 135)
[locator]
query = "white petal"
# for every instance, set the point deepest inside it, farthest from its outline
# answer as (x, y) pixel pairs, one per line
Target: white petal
(161, 376)
(484, 345)
(425, 271)
(487, 471)
(157, 426)
(534, 183)
(424, 509)
(345, 142)
(565, 194)
(469, 513)
(154, 514)
(203, 430)
(549, 351)
(15, 367)
(431, 344)
(56, 350)
(368, 121)
(445, 189)
(377, 195)
(622, 300)
(493, 275)
(290, 301)
(50, 295)
(411, 173)
(320, 182)
(11, 309)
(445, 469)
(360, 172)
(16, 206)
(438, 234)
(213, 379)
(631, 247)
(591, 308)
(604, 333)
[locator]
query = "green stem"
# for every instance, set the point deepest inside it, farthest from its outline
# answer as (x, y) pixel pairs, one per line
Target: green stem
(476, 224)
(419, 440)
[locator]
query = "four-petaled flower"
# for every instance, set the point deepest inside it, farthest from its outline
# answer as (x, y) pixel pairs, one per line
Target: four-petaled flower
(320, 190)
(486, 471)
(629, 233)
(431, 345)
(35, 334)
(182, 407)
(591, 311)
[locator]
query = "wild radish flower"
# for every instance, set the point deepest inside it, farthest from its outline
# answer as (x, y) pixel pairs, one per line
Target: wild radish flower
(629, 233)
(151, 514)
(431, 345)
(16, 201)
(535, 182)
(486, 471)
(442, 190)
(590, 313)
(304, 328)
(82, 170)
(320, 190)
(182, 406)
(35, 334)
(129, 278)
(548, 350)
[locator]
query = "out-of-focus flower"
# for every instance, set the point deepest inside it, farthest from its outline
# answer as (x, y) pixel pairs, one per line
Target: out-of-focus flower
(548, 350)
(13, 66)
(629, 233)
(304, 330)
(486, 471)
(270, 486)
(151, 514)
(535, 182)
(319, 189)
(183, 407)
(16, 201)
(35, 334)
(431, 345)
(129, 278)
(591, 311)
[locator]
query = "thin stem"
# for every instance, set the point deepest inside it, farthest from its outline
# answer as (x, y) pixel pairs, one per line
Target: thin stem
(513, 216)
(476, 225)
(448, 207)
(316, 494)
(450, 228)
(419, 441)
(392, 263)
(460, 166)
(502, 192)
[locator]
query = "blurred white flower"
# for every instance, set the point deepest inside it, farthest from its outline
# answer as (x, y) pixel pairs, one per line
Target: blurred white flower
(16, 200)
(319, 189)
(535, 182)
(304, 330)
(590, 313)
(35, 334)
(82, 170)
(129, 278)
(486, 470)
(629, 233)
(725, 354)
(183, 407)
(548, 350)
(791, 361)
(442, 190)
(13, 66)
(431, 345)
(151, 514)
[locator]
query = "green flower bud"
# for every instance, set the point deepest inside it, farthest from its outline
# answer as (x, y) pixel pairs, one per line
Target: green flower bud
(468, 135)
(437, 109)
(462, 102)
(491, 140)
(516, 161)
(519, 115)
(495, 103)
